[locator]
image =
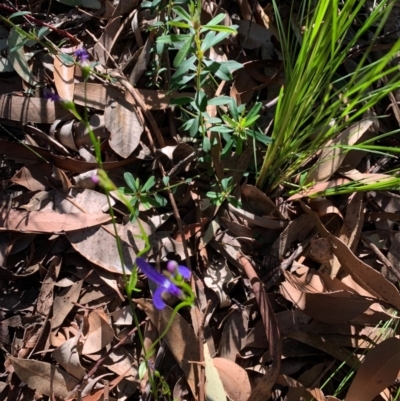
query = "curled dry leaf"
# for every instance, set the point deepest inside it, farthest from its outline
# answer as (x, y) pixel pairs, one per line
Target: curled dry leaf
(30, 109)
(64, 78)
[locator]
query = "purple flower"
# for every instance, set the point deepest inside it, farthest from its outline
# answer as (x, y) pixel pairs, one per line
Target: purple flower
(95, 179)
(50, 95)
(82, 55)
(164, 283)
(174, 268)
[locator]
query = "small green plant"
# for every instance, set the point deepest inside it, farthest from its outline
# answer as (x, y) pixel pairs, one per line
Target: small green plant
(140, 195)
(223, 192)
(239, 127)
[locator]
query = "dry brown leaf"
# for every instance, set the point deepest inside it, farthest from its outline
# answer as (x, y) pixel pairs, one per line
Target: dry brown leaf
(48, 222)
(234, 378)
(263, 389)
(34, 176)
(103, 46)
(30, 109)
(100, 333)
(64, 303)
(64, 78)
(45, 298)
(320, 187)
(298, 392)
(350, 230)
(379, 370)
(258, 202)
(121, 120)
(98, 96)
(43, 377)
(67, 356)
(333, 308)
(19, 151)
(364, 275)
(97, 244)
(180, 339)
(324, 344)
(142, 63)
(332, 156)
(234, 334)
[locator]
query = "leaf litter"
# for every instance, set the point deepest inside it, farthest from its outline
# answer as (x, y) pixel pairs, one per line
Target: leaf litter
(289, 293)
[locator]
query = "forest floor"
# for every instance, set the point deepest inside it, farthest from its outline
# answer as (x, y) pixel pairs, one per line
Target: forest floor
(296, 296)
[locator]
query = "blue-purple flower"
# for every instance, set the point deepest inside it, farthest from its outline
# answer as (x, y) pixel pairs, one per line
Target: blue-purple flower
(164, 284)
(82, 55)
(50, 95)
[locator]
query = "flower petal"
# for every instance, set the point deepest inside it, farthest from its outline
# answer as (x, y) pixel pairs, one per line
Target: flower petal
(172, 289)
(184, 272)
(157, 298)
(150, 272)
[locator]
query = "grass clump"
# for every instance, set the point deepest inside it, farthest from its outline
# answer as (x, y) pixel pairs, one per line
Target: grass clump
(319, 99)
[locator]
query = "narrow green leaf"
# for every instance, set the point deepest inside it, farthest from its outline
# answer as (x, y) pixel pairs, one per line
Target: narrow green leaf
(216, 20)
(149, 184)
(183, 52)
(178, 24)
(219, 101)
(228, 30)
(19, 14)
(182, 13)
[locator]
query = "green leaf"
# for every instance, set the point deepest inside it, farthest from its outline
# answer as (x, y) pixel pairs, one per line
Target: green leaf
(160, 200)
(212, 194)
(17, 57)
(221, 128)
(44, 30)
(200, 101)
(250, 121)
(182, 13)
(173, 38)
(179, 101)
(216, 20)
(228, 30)
(19, 14)
(181, 55)
(260, 137)
(211, 39)
(220, 100)
(66, 58)
(232, 65)
(178, 24)
(149, 184)
(130, 181)
(165, 180)
(254, 110)
(206, 144)
(194, 129)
